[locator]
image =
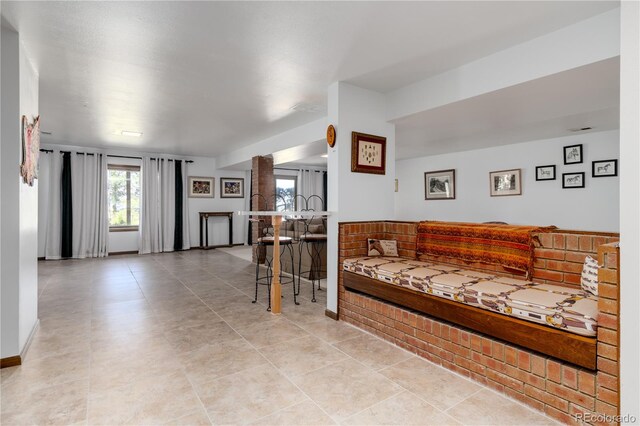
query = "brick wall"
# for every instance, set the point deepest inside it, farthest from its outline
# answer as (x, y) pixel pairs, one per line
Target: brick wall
(263, 189)
(556, 388)
(561, 254)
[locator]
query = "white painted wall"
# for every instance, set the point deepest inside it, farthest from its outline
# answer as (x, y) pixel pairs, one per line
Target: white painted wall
(355, 196)
(201, 166)
(593, 208)
(218, 227)
(18, 263)
(28, 297)
(583, 43)
(10, 213)
(630, 209)
(361, 196)
(123, 242)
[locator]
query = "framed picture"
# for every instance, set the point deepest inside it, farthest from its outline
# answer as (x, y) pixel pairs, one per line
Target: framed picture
(573, 154)
(604, 168)
(368, 153)
(546, 172)
(201, 187)
(573, 180)
(231, 187)
(505, 182)
(440, 185)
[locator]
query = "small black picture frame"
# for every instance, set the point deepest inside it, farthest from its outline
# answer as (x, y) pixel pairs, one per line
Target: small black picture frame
(546, 172)
(573, 154)
(573, 180)
(604, 168)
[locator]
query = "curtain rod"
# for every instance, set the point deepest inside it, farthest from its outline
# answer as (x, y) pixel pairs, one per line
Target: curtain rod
(296, 170)
(47, 151)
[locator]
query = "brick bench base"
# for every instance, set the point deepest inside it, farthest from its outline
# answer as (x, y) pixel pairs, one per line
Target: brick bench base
(557, 343)
(560, 390)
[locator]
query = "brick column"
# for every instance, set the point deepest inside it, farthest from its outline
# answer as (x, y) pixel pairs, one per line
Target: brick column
(608, 386)
(263, 189)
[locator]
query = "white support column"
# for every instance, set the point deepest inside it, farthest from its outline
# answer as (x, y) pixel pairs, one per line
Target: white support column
(19, 207)
(629, 208)
(355, 196)
(10, 193)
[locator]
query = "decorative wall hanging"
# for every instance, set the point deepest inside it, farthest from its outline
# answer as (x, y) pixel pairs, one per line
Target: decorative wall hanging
(546, 172)
(573, 154)
(331, 136)
(30, 149)
(573, 180)
(440, 185)
(231, 187)
(505, 182)
(201, 187)
(368, 153)
(604, 168)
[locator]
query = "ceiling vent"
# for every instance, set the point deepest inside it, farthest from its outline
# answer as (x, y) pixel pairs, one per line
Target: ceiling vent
(312, 108)
(581, 129)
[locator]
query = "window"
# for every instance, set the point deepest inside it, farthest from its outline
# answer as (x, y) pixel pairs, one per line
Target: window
(124, 197)
(286, 191)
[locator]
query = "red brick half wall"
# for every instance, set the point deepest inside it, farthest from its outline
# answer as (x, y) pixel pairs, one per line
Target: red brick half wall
(558, 389)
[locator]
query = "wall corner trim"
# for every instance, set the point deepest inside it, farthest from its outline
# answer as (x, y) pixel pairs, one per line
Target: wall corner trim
(331, 314)
(27, 345)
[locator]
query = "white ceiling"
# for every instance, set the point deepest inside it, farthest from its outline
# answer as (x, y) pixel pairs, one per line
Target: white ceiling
(204, 78)
(309, 154)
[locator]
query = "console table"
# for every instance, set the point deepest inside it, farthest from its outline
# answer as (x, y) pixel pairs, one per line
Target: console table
(204, 218)
(276, 288)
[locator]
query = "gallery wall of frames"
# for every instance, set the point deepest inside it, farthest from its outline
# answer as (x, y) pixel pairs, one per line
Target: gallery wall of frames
(440, 185)
(570, 182)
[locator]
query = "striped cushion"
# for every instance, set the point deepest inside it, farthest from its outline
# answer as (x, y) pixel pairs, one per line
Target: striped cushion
(570, 309)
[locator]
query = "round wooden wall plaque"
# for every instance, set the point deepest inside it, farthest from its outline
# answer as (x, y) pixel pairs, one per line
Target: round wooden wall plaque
(331, 135)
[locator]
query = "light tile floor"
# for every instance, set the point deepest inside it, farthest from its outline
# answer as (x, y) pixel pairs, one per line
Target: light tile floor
(174, 339)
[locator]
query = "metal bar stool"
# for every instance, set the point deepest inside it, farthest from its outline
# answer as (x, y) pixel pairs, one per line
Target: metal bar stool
(314, 245)
(314, 242)
(262, 243)
(286, 243)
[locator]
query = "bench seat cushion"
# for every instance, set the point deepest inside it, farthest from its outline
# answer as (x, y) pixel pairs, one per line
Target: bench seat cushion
(572, 310)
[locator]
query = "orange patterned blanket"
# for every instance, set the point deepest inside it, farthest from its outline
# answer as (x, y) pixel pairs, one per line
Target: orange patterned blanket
(510, 246)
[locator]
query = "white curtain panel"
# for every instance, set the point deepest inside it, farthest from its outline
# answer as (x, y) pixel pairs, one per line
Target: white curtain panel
(158, 208)
(149, 229)
(310, 183)
(186, 238)
(90, 229)
(53, 238)
(167, 196)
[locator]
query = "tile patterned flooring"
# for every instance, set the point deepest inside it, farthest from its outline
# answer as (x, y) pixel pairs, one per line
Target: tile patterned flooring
(174, 339)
